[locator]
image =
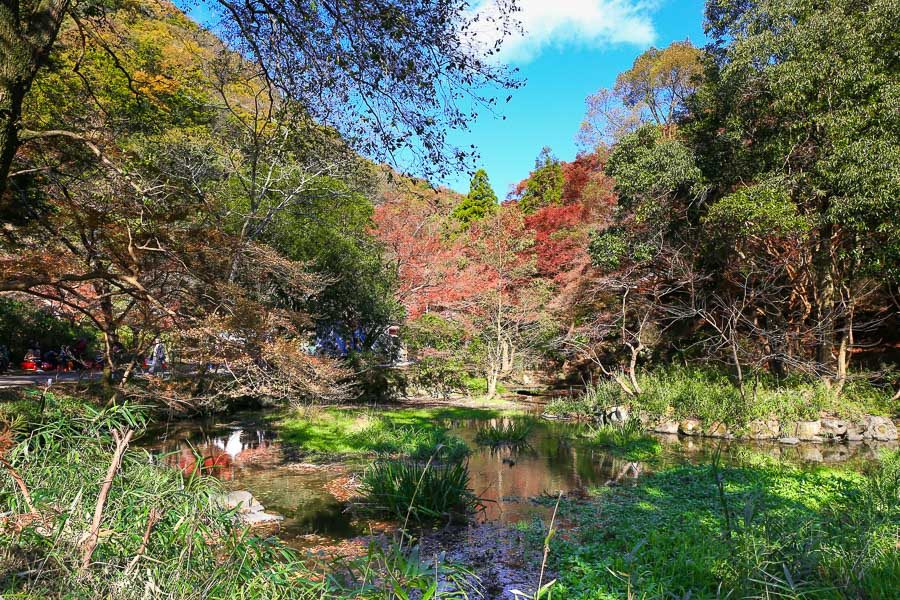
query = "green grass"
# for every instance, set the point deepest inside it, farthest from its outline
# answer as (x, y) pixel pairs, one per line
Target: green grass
(417, 491)
(195, 549)
(339, 432)
(711, 396)
(629, 440)
(760, 530)
(506, 432)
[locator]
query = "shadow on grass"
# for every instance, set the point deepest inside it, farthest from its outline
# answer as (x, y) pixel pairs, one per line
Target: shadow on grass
(778, 531)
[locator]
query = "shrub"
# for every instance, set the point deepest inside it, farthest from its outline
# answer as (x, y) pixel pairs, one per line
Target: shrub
(419, 492)
(439, 376)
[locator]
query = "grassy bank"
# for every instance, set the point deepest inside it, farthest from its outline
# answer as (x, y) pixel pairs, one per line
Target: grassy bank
(628, 441)
(158, 533)
(756, 530)
(410, 432)
(711, 396)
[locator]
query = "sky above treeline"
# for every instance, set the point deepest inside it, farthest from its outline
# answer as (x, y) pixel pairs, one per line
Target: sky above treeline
(569, 50)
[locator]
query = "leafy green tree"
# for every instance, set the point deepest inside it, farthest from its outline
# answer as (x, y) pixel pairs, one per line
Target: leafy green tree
(545, 184)
(368, 68)
(481, 201)
(804, 94)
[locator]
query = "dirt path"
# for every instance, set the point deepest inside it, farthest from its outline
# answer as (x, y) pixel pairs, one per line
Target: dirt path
(40, 379)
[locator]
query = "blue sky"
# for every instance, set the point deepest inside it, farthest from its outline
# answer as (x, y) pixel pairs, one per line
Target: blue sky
(570, 49)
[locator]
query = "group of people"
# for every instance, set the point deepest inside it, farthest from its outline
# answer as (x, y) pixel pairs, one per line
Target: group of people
(66, 358)
(78, 356)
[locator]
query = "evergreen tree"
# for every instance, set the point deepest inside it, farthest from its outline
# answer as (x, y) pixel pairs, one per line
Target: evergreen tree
(545, 185)
(481, 201)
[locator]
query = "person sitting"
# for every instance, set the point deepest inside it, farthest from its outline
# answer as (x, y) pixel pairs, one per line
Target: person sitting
(50, 359)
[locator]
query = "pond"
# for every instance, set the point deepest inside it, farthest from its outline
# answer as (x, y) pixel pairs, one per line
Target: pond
(244, 450)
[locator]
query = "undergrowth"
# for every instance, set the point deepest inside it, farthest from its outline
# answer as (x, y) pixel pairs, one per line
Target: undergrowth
(161, 534)
(765, 530)
(711, 395)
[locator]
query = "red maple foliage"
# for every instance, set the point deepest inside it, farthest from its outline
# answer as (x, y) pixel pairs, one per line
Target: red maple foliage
(560, 238)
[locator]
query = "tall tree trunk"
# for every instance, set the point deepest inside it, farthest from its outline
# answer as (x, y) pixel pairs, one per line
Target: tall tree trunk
(28, 31)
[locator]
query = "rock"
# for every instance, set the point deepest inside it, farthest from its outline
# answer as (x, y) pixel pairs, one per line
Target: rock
(666, 427)
(834, 428)
(617, 415)
(260, 518)
(690, 427)
(808, 431)
(242, 500)
(810, 453)
(761, 429)
(880, 428)
(793, 441)
(718, 430)
(855, 432)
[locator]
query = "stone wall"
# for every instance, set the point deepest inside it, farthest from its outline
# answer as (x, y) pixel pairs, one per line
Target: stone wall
(826, 429)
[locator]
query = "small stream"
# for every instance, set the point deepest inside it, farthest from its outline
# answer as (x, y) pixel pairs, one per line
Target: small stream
(244, 451)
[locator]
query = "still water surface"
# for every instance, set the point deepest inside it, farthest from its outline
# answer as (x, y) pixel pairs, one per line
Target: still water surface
(245, 452)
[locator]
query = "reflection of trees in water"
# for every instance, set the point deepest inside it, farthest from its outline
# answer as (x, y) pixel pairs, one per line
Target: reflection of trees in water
(217, 452)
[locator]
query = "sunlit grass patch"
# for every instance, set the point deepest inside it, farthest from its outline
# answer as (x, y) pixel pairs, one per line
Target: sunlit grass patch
(338, 432)
(740, 531)
(628, 440)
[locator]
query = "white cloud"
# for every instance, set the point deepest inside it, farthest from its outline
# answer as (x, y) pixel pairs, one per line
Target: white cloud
(557, 23)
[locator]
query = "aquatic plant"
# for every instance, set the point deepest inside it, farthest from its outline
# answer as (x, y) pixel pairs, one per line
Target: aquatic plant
(505, 432)
(628, 440)
(412, 491)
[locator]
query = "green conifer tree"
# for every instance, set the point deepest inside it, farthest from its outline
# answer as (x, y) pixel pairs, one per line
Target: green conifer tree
(545, 185)
(481, 201)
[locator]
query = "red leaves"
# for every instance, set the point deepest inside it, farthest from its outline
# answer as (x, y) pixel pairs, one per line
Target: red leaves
(559, 238)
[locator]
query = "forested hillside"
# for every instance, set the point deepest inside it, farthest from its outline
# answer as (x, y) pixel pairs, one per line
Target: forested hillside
(734, 210)
(251, 348)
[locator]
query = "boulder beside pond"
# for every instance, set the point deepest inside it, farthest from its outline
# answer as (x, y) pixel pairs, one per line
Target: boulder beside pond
(880, 428)
(617, 415)
(834, 428)
(807, 431)
(249, 509)
(690, 427)
(763, 429)
(666, 427)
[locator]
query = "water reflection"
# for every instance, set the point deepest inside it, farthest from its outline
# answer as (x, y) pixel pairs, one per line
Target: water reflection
(244, 452)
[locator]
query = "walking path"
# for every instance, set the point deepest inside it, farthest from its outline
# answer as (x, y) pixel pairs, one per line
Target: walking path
(40, 379)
